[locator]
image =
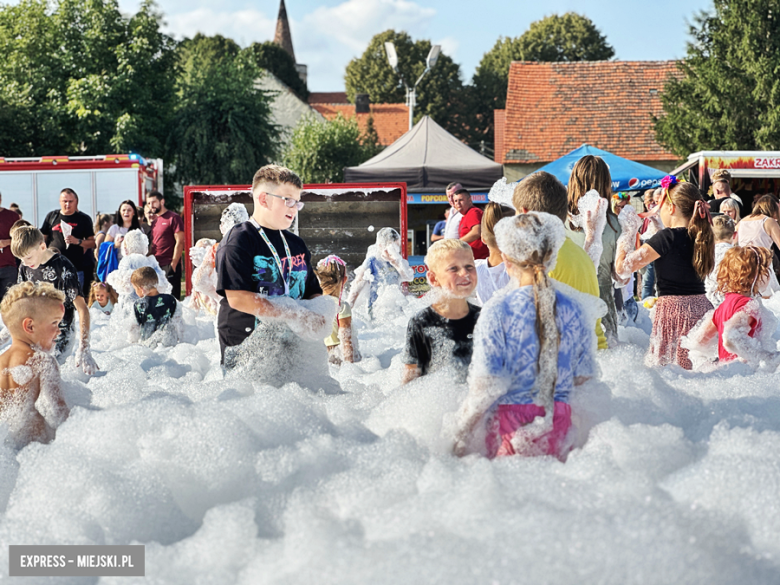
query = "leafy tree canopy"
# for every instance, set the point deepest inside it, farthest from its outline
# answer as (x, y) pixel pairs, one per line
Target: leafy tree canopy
(273, 58)
(728, 94)
(84, 79)
(319, 151)
(222, 130)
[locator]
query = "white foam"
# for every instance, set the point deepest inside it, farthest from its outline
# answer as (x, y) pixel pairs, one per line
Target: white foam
(230, 480)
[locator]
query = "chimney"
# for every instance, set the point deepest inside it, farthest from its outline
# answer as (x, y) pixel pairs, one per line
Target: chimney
(362, 104)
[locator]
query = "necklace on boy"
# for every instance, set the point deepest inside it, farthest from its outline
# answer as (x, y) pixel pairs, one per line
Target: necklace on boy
(276, 256)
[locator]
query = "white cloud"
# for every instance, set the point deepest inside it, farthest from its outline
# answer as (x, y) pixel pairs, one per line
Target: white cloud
(449, 46)
(325, 39)
(243, 26)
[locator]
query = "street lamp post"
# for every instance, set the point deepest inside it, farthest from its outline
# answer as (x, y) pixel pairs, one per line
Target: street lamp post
(411, 92)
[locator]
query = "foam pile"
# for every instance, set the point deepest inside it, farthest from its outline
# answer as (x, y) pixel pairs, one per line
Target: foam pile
(230, 480)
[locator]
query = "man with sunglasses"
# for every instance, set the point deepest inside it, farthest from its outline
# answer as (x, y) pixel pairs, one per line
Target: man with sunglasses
(259, 262)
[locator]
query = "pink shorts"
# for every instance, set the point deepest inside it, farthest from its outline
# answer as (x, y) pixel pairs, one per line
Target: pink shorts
(508, 418)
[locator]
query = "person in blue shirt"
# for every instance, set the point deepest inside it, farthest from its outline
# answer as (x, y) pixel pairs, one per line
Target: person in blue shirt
(532, 345)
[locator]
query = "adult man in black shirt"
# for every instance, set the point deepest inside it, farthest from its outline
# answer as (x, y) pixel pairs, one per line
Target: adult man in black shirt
(81, 238)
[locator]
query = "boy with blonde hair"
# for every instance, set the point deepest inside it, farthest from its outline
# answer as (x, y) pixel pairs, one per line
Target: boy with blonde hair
(154, 310)
(441, 334)
(30, 399)
(259, 263)
(42, 264)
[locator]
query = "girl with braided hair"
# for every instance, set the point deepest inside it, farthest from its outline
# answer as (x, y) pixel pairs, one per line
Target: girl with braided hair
(684, 255)
(532, 345)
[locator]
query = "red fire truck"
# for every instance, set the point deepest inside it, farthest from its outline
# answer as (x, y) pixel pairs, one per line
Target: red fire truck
(101, 182)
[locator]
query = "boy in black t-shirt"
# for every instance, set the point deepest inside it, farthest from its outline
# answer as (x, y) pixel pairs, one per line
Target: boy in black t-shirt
(154, 311)
(441, 335)
(42, 264)
(259, 263)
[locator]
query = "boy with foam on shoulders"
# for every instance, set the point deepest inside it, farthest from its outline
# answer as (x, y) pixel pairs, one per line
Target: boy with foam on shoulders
(154, 311)
(264, 270)
(441, 335)
(31, 402)
(42, 264)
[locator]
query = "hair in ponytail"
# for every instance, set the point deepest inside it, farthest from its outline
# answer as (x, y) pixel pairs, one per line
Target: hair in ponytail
(492, 214)
(687, 198)
(531, 241)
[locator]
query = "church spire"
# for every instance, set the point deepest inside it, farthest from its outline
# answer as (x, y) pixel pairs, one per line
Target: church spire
(283, 38)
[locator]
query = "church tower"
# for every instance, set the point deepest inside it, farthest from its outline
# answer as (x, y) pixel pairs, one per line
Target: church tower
(283, 38)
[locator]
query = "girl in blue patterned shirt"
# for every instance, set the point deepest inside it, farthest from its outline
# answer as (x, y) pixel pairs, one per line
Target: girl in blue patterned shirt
(532, 345)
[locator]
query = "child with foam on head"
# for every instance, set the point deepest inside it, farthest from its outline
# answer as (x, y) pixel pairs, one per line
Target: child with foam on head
(742, 326)
(102, 297)
(532, 345)
(684, 254)
(42, 264)
(31, 402)
(203, 256)
(723, 228)
(153, 310)
(491, 271)
(440, 336)
(341, 343)
(542, 191)
(135, 247)
(384, 266)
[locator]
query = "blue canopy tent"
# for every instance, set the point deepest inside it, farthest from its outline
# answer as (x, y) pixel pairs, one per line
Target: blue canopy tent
(627, 175)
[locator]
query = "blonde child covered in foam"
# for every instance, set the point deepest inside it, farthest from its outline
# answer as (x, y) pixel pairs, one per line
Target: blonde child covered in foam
(31, 403)
(341, 343)
(452, 275)
(532, 345)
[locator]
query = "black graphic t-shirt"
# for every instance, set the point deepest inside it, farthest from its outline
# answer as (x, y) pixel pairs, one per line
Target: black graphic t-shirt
(153, 313)
(433, 341)
(82, 228)
(244, 262)
(60, 273)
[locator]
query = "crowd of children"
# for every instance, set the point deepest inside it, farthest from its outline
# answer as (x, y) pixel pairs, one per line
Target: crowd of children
(520, 327)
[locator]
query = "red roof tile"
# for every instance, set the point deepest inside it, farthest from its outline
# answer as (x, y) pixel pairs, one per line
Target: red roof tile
(499, 124)
(553, 108)
(328, 97)
(391, 121)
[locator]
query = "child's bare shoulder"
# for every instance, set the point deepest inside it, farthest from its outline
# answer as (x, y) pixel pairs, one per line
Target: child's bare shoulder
(16, 367)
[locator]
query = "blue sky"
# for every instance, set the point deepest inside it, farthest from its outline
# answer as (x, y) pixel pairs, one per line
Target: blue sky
(328, 33)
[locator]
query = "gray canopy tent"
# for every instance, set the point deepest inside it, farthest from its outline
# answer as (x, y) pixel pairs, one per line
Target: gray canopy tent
(427, 158)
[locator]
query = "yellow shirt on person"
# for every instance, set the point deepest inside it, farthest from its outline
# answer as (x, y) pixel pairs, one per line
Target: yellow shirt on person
(576, 269)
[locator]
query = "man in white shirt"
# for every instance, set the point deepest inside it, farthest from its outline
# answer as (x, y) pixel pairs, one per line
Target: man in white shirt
(453, 221)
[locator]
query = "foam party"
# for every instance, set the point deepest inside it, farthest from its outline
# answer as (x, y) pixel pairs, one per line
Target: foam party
(249, 451)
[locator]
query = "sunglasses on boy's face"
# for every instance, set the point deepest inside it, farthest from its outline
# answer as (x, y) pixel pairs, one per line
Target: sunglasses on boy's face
(288, 201)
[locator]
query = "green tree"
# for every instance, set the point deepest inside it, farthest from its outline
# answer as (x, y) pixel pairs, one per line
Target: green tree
(84, 79)
(319, 151)
(438, 94)
(222, 130)
(727, 96)
(273, 58)
(556, 38)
